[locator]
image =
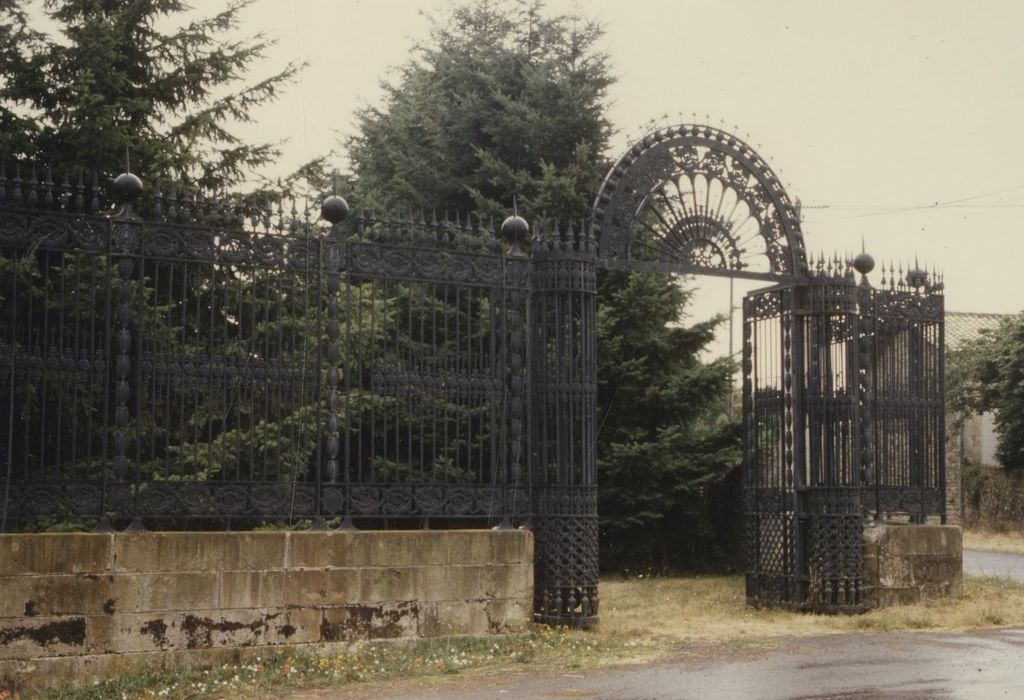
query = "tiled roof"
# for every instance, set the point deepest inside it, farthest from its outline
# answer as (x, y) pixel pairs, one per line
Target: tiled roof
(961, 326)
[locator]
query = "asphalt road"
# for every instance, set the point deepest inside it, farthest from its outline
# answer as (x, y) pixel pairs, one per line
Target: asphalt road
(994, 564)
(898, 666)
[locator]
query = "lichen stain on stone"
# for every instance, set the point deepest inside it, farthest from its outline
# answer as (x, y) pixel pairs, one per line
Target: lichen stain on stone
(108, 607)
(158, 629)
(286, 630)
(70, 632)
(368, 622)
(199, 630)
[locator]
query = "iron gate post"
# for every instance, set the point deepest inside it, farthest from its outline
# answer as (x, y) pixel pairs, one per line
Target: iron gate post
(563, 388)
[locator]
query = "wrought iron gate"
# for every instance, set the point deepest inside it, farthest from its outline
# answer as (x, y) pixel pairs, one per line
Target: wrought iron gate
(842, 420)
(842, 381)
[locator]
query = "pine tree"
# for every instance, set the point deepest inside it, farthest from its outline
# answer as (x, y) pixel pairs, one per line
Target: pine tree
(664, 438)
(504, 103)
(115, 78)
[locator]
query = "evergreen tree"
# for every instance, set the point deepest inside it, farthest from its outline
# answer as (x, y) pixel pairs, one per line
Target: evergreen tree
(503, 102)
(114, 79)
(664, 438)
(506, 101)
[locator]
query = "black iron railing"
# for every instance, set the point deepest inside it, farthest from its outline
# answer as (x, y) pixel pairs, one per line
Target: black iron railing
(228, 363)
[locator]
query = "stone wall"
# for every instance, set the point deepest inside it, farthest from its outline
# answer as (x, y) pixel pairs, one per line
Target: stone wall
(82, 606)
(954, 467)
(910, 563)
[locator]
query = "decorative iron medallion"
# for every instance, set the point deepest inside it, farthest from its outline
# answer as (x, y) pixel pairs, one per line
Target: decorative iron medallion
(697, 199)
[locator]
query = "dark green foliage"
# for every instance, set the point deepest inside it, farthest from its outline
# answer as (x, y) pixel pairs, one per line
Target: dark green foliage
(987, 374)
(114, 78)
(503, 102)
(664, 438)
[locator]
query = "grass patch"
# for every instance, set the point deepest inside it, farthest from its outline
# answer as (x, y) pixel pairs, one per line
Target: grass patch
(542, 646)
(642, 619)
(712, 608)
(989, 541)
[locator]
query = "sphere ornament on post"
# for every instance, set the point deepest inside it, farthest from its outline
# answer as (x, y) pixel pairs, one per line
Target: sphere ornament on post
(126, 190)
(515, 229)
(334, 209)
(917, 278)
(864, 264)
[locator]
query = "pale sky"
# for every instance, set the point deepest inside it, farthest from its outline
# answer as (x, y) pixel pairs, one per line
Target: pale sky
(872, 112)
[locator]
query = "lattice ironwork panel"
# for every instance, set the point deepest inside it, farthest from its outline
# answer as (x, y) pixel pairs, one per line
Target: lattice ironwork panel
(834, 558)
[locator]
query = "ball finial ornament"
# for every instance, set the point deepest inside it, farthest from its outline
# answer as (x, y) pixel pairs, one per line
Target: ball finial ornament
(917, 277)
(514, 229)
(864, 263)
(334, 209)
(126, 188)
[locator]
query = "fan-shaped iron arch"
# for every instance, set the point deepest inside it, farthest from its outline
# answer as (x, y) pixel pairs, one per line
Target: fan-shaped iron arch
(696, 199)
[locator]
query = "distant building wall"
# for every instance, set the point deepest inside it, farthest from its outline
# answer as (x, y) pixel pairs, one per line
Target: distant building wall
(971, 444)
(83, 606)
(980, 441)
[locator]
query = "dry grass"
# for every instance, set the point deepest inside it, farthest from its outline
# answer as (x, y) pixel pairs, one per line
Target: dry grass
(1011, 542)
(712, 608)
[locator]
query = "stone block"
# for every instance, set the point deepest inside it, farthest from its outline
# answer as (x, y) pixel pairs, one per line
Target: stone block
(928, 569)
(512, 581)
(231, 628)
(186, 590)
(78, 594)
(893, 571)
(370, 621)
(295, 626)
(315, 550)
(24, 638)
(453, 582)
(134, 632)
(508, 615)
(55, 553)
(241, 589)
(252, 589)
(467, 547)
(512, 546)
(322, 586)
(198, 551)
(272, 589)
(401, 548)
(387, 584)
(905, 564)
(444, 618)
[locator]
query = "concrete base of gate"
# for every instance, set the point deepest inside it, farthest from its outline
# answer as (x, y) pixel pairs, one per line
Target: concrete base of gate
(906, 563)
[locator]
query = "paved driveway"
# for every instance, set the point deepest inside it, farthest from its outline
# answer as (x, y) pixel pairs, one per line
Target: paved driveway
(994, 564)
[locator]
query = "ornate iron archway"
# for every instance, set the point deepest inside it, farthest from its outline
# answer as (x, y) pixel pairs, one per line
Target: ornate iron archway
(842, 382)
(695, 199)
